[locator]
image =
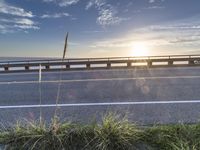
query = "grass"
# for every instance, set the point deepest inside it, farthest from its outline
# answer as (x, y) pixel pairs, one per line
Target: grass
(113, 133)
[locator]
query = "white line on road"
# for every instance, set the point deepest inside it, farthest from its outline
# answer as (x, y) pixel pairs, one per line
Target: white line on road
(102, 104)
(97, 80)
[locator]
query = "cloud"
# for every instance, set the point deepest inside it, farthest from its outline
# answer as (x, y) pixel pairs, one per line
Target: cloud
(155, 7)
(164, 38)
(2, 27)
(182, 33)
(95, 31)
(63, 3)
(107, 17)
(96, 3)
(24, 26)
(5, 29)
(16, 19)
(177, 27)
(112, 43)
(107, 14)
(153, 1)
(16, 24)
(56, 15)
(48, 0)
(23, 21)
(68, 2)
(12, 10)
(179, 36)
(186, 40)
(128, 41)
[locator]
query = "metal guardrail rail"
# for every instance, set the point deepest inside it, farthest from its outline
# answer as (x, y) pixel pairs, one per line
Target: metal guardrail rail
(100, 63)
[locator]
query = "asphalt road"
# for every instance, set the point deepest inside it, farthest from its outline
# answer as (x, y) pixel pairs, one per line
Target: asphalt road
(145, 96)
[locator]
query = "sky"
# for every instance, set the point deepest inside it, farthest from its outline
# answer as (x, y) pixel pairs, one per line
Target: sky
(99, 28)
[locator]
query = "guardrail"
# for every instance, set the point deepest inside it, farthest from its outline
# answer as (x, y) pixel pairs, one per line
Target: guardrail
(100, 63)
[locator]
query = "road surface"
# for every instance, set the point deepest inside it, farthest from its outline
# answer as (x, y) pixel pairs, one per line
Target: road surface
(144, 96)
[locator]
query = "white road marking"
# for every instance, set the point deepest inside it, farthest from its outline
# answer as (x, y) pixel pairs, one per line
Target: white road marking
(97, 80)
(102, 104)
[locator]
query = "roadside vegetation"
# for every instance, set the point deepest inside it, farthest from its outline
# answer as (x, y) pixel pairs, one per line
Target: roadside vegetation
(112, 133)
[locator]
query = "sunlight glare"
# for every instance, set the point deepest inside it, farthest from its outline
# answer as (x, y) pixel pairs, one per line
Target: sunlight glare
(140, 49)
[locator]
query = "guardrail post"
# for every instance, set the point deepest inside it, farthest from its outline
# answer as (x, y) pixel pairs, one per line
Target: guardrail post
(6, 68)
(191, 62)
(88, 66)
(67, 66)
(129, 64)
(47, 67)
(26, 67)
(170, 62)
(108, 65)
(149, 63)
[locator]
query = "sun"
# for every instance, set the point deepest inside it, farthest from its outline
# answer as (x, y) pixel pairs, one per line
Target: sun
(140, 49)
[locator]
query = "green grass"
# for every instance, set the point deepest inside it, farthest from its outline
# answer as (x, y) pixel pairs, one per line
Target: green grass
(112, 133)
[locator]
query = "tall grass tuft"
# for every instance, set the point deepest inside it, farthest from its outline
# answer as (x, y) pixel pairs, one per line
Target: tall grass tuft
(173, 137)
(113, 133)
(32, 136)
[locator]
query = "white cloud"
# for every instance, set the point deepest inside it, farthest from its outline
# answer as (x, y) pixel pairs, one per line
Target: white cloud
(107, 17)
(5, 29)
(168, 38)
(12, 10)
(16, 24)
(63, 3)
(16, 19)
(182, 33)
(68, 2)
(95, 31)
(2, 27)
(48, 0)
(127, 41)
(56, 15)
(24, 26)
(90, 4)
(96, 3)
(153, 1)
(107, 14)
(23, 21)
(155, 7)
(174, 33)
(177, 27)
(186, 40)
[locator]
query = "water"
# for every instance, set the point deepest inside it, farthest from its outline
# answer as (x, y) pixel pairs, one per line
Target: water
(23, 58)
